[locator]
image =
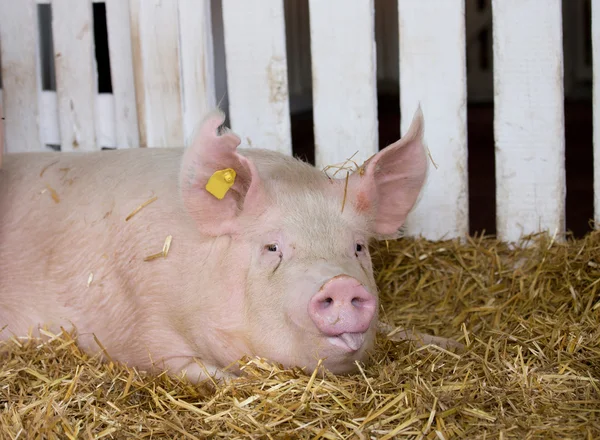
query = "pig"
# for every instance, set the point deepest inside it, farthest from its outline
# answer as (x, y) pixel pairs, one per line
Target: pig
(268, 256)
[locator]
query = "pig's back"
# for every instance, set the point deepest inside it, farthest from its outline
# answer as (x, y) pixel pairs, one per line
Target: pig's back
(62, 219)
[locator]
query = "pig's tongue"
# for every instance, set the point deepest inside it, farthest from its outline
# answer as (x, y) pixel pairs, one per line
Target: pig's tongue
(352, 340)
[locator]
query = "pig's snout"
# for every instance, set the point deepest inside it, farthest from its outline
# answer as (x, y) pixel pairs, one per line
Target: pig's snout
(343, 307)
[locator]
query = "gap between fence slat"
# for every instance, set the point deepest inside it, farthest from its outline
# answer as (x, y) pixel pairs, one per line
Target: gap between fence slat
(197, 70)
(121, 69)
(433, 74)
(76, 77)
(298, 55)
(344, 80)
(596, 107)
(480, 84)
(20, 75)
(257, 81)
(529, 117)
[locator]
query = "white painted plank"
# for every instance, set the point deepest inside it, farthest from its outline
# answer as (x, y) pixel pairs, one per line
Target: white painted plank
(105, 122)
(528, 117)
(433, 73)
(155, 39)
(197, 70)
(596, 103)
(49, 126)
(76, 79)
(344, 80)
(254, 32)
(121, 68)
(138, 71)
(20, 74)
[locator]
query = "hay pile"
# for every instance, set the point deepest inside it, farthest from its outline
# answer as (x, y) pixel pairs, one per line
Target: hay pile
(531, 369)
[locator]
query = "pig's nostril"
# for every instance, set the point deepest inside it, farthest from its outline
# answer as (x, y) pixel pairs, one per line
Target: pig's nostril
(357, 301)
(327, 302)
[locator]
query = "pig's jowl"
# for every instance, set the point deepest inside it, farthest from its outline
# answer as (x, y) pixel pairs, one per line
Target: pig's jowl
(264, 262)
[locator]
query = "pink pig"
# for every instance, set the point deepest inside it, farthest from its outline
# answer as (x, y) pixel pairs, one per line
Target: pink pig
(276, 268)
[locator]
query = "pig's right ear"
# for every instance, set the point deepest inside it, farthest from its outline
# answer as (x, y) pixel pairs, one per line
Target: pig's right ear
(389, 183)
(235, 187)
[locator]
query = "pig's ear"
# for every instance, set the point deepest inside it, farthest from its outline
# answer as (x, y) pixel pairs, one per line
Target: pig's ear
(391, 180)
(235, 187)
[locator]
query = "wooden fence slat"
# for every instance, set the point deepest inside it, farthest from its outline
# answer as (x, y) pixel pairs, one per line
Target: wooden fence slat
(121, 67)
(596, 107)
(20, 74)
(254, 32)
(433, 74)
(155, 39)
(197, 69)
(76, 80)
(49, 125)
(105, 121)
(138, 72)
(528, 117)
(344, 80)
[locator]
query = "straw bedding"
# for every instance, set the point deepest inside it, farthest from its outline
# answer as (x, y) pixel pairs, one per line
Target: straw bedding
(528, 317)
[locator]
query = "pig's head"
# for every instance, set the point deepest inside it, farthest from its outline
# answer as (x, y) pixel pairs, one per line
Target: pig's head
(299, 240)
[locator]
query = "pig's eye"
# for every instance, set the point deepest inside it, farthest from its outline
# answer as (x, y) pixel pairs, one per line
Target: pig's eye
(274, 247)
(359, 248)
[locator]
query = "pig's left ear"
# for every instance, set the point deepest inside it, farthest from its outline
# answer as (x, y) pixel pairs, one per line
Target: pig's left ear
(391, 180)
(218, 185)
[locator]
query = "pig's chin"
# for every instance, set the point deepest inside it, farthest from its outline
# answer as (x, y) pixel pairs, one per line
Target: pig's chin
(348, 344)
(343, 350)
(339, 352)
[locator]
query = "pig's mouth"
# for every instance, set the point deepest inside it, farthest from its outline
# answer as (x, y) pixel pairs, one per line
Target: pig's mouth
(348, 341)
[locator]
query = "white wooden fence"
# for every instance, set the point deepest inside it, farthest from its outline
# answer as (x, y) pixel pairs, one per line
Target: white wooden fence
(163, 80)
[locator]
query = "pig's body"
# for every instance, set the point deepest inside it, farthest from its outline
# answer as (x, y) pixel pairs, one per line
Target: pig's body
(223, 291)
(134, 307)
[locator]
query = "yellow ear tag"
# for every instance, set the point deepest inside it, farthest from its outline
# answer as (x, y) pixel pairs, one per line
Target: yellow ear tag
(220, 182)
